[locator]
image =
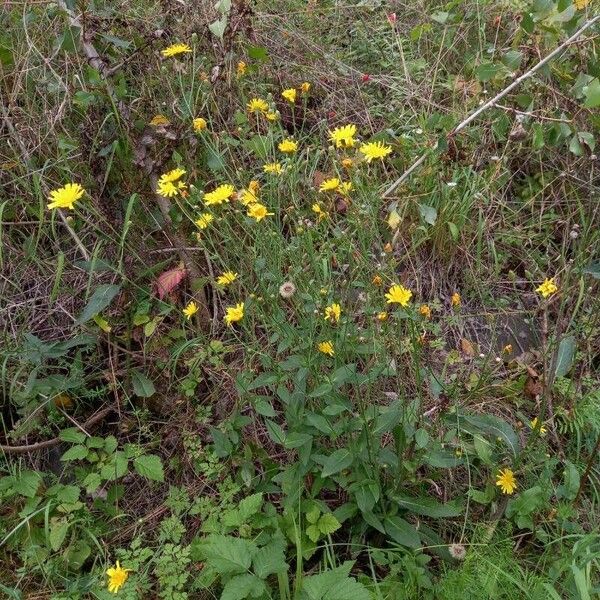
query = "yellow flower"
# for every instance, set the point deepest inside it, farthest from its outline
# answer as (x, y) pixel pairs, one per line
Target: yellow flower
(534, 424)
(66, 196)
(347, 163)
(374, 150)
(258, 211)
(425, 311)
(398, 294)
(343, 137)
(326, 348)
(167, 189)
(377, 280)
(227, 278)
(274, 168)
(455, 299)
(305, 87)
(388, 248)
(254, 186)
(172, 175)
(333, 313)
(233, 314)
(199, 124)
(506, 481)
(190, 310)
(581, 4)
(159, 120)
(321, 214)
(175, 49)
(547, 288)
(329, 185)
(241, 68)
(345, 188)
(288, 146)
(394, 220)
(247, 197)
(117, 576)
(257, 105)
(382, 316)
(204, 220)
(289, 95)
(219, 195)
(271, 116)
(507, 349)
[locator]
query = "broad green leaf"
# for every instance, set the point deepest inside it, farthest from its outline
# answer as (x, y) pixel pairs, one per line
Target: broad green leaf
(75, 453)
(333, 585)
(593, 269)
(336, 462)
(26, 483)
(217, 28)
(428, 507)
(229, 555)
(313, 533)
(490, 425)
(58, 532)
(402, 532)
(487, 71)
(250, 506)
(276, 433)
(244, 586)
(428, 213)
(73, 435)
(149, 466)
(103, 295)
(258, 53)
(565, 356)
(270, 559)
(592, 94)
(142, 386)
(328, 524)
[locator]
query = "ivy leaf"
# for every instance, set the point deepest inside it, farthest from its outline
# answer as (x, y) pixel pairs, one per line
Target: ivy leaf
(149, 466)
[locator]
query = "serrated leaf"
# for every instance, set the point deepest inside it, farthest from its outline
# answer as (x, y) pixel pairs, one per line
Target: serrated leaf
(243, 586)
(103, 295)
(336, 462)
(250, 506)
(334, 585)
(142, 386)
(328, 524)
(313, 533)
(58, 532)
(73, 435)
(149, 466)
(565, 356)
(75, 453)
(229, 555)
(26, 483)
(270, 559)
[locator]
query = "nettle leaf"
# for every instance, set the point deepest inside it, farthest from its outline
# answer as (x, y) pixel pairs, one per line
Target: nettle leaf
(149, 466)
(73, 435)
(103, 295)
(270, 559)
(249, 506)
(243, 586)
(75, 453)
(336, 462)
(313, 533)
(334, 585)
(229, 555)
(328, 524)
(57, 535)
(26, 483)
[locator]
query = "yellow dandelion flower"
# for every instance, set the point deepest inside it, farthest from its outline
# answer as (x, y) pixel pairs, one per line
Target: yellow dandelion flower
(172, 175)
(289, 95)
(247, 197)
(258, 211)
(321, 214)
(288, 146)
(343, 137)
(66, 196)
(382, 316)
(333, 313)
(204, 220)
(273, 168)
(117, 576)
(581, 4)
(455, 300)
(329, 185)
(219, 195)
(166, 189)
(233, 314)
(159, 120)
(326, 348)
(305, 87)
(271, 116)
(547, 288)
(175, 50)
(200, 124)
(506, 481)
(374, 150)
(241, 68)
(190, 310)
(534, 425)
(345, 188)
(254, 186)
(398, 294)
(507, 349)
(425, 311)
(227, 278)
(257, 105)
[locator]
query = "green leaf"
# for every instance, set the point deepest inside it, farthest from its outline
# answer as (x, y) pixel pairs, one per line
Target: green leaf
(92, 482)
(58, 532)
(217, 28)
(328, 524)
(276, 433)
(592, 94)
(427, 507)
(249, 506)
(336, 462)
(101, 298)
(73, 435)
(314, 533)
(488, 424)
(334, 585)
(487, 71)
(571, 482)
(402, 532)
(258, 53)
(214, 160)
(270, 559)
(70, 38)
(565, 356)
(593, 269)
(142, 386)
(149, 466)
(75, 453)
(243, 586)
(428, 213)
(26, 483)
(229, 555)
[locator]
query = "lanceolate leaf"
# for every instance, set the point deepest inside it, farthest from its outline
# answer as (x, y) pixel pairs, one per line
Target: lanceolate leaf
(565, 356)
(428, 507)
(169, 280)
(103, 295)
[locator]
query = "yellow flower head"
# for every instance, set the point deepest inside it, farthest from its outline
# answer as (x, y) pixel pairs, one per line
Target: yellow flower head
(241, 68)
(117, 576)
(166, 189)
(247, 197)
(398, 294)
(329, 185)
(176, 49)
(425, 311)
(547, 288)
(322, 214)
(305, 87)
(347, 163)
(271, 116)
(333, 313)
(289, 95)
(288, 146)
(66, 196)
(257, 105)
(382, 316)
(159, 120)
(345, 188)
(227, 278)
(507, 349)
(219, 195)
(190, 310)
(204, 220)
(233, 314)
(343, 137)
(374, 150)
(199, 124)
(326, 348)
(377, 280)
(254, 186)
(581, 4)
(506, 481)
(534, 425)
(273, 168)
(258, 211)
(172, 175)
(455, 300)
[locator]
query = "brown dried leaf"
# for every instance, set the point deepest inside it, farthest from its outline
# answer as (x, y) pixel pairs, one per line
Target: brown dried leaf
(467, 347)
(533, 388)
(318, 178)
(169, 280)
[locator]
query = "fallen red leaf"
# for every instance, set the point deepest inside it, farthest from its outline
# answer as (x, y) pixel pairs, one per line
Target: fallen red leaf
(169, 280)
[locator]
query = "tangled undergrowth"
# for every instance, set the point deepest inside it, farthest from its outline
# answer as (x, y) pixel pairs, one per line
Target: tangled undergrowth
(299, 301)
